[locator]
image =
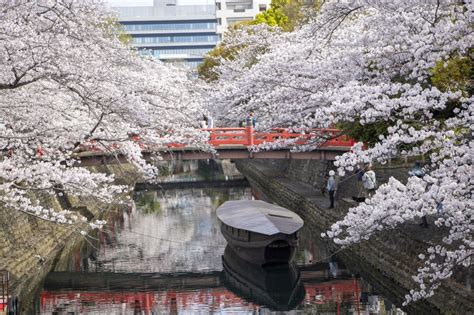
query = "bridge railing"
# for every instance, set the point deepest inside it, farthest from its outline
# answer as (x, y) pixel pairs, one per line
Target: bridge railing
(229, 136)
(328, 137)
(248, 136)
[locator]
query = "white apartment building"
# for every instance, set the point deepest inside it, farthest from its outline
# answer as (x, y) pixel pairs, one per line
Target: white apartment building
(170, 31)
(229, 12)
(176, 32)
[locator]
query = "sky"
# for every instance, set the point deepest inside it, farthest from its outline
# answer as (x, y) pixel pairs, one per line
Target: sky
(119, 3)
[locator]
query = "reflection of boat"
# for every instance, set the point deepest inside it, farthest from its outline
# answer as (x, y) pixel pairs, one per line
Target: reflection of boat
(260, 232)
(278, 287)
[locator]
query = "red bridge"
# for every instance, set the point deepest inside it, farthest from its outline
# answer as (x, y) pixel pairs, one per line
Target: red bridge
(248, 137)
(237, 143)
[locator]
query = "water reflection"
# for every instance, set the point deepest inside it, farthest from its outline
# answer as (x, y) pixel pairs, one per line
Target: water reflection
(173, 231)
(165, 255)
(171, 302)
(277, 287)
(168, 231)
(262, 292)
(188, 171)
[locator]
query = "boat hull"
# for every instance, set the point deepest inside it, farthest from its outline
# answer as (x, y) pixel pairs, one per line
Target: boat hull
(261, 249)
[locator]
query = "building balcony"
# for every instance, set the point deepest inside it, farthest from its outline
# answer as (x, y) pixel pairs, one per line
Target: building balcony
(172, 32)
(165, 13)
(180, 44)
(178, 56)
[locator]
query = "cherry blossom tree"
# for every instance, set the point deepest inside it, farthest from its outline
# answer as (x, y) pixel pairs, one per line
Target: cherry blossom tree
(65, 79)
(360, 63)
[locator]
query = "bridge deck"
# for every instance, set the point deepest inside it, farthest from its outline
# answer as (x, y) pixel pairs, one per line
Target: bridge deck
(222, 153)
(237, 143)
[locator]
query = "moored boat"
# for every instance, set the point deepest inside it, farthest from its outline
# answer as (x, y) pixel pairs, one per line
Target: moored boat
(260, 232)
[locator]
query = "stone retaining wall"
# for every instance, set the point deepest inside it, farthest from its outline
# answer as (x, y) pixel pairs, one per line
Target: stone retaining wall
(388, 260)
(31, 246)
(312, 172)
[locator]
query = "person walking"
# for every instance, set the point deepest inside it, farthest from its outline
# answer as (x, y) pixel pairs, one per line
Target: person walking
(360, 187)
(419, 172)
(369, 181)
(204, 122)
(210, 122)
(251, 120)
(331, 188)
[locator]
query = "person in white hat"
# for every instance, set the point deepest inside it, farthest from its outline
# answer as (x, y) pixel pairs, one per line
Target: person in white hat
(331, 188)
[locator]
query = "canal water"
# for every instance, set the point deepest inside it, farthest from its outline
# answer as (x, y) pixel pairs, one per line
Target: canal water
(165, 255)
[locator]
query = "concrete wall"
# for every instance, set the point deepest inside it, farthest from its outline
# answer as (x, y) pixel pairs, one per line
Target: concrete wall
(31, 246)
(388, 260)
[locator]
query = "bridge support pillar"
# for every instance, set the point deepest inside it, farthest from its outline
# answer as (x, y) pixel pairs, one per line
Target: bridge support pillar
(249, 132)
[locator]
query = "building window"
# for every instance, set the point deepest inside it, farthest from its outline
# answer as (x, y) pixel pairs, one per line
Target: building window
(218, 6)
(180, 52)
(169, 26)
(262, 7)
(231, 21)
(143, 40)
(239, 8)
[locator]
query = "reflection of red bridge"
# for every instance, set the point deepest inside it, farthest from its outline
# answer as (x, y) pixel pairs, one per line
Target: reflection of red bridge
(234, 143)
(346, 291)
(174, 302)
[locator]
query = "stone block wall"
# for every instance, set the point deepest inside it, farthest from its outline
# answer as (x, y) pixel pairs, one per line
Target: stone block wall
(313, 172)
(310, 172)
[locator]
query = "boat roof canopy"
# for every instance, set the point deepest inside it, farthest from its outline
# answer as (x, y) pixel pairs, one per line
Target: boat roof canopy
(259, 216)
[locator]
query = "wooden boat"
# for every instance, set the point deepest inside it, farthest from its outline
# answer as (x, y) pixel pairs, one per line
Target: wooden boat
(278, 287)
(259, 232)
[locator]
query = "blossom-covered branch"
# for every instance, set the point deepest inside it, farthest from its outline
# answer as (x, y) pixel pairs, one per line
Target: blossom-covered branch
(65, 78)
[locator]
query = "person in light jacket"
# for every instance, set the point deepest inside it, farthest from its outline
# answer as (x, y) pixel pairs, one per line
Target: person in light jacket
(331, 188)
(369, 181)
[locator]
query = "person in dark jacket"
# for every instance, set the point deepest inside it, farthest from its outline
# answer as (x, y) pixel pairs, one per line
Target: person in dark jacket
(419, 172)
(251, 120)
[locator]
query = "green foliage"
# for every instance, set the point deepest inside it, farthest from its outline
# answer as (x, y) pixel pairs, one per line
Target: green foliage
(207, 69)
(286, 14)
(146, 201)
(369, 133)
(124, 37)
(454, 74)
(114, 28)
(295, 15)
(275, 15)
